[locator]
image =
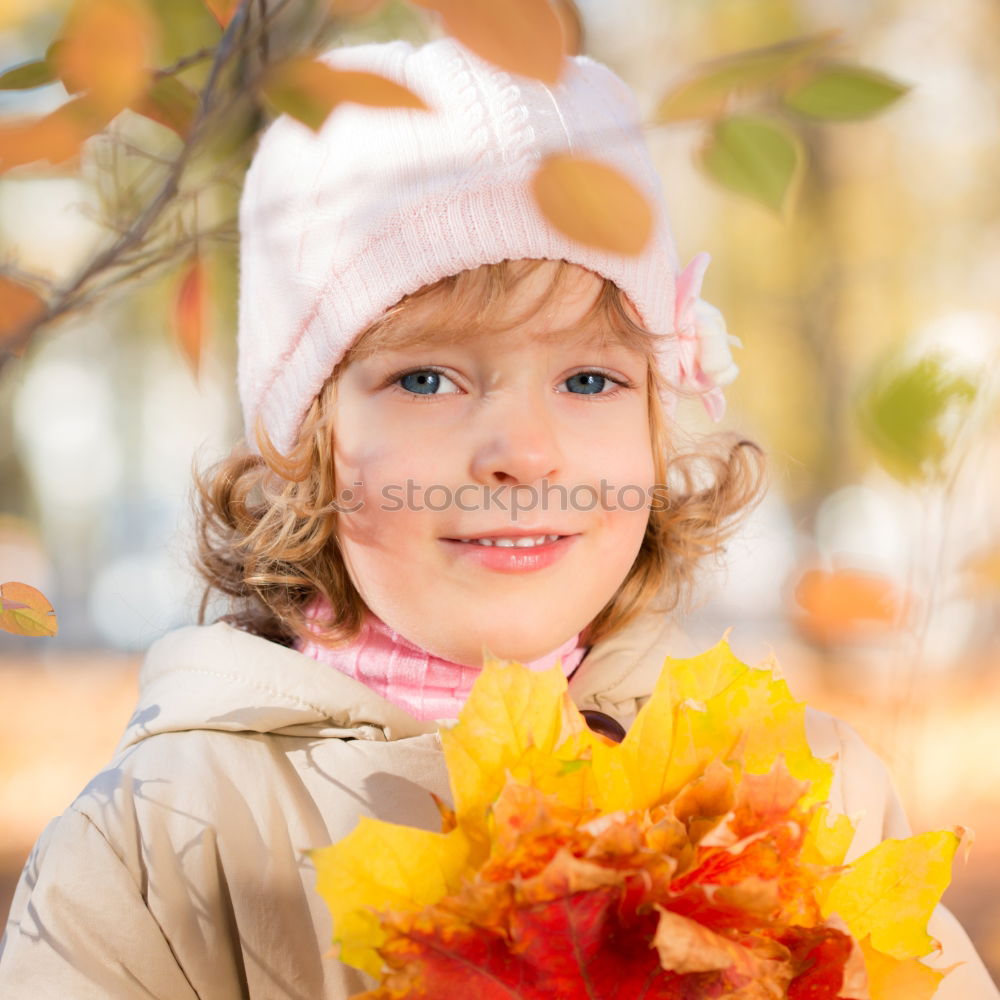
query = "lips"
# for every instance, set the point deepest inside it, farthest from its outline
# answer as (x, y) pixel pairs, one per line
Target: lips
(504, 531)
(511, 541)
(510, 558)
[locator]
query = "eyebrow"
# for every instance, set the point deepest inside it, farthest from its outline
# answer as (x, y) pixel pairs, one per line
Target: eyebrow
(593, 335)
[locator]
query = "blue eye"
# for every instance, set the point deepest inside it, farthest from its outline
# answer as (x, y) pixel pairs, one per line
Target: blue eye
(423, 381)
(591, 383)
(429, 382)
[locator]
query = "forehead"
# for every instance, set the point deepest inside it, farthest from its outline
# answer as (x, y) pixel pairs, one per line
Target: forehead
(544, 302)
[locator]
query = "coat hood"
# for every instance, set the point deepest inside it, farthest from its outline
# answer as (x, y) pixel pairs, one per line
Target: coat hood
(220, 677)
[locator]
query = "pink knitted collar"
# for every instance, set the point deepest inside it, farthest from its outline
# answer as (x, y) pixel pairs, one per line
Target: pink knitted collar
(425, 685)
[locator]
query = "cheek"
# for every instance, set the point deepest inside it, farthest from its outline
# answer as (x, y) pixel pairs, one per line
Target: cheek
(391, 524)
(623, 463)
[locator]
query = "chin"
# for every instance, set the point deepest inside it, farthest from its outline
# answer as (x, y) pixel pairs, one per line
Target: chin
(502, 644)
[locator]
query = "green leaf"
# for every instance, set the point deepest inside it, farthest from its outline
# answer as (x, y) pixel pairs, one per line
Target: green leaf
(184, 27)
(27, 76)
(309, 89)
(52, 59)
(839, 92)
(903, 413)
(170, 103)
(704, 95)
(754, 156)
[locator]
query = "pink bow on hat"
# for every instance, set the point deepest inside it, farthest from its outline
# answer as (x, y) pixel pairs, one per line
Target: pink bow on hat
(703, 343)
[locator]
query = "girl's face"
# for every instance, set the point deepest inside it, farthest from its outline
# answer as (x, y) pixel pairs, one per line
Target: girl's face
(499, 435)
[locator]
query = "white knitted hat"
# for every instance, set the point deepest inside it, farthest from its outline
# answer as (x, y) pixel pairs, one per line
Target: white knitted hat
(338, 226)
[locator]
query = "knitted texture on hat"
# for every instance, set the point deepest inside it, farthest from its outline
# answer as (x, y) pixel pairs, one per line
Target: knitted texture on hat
(339, 225)
(425, 685)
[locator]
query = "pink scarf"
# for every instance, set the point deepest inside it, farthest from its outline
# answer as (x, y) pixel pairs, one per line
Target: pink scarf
(427, 686)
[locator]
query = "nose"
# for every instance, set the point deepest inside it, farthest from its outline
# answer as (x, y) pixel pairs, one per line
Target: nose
(518, 442)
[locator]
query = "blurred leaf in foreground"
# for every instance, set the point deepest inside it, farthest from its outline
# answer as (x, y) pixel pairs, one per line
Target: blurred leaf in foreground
(706, 92)
(309, 89)
(190, 310)
(981, 572)
(848, 604)
(169, 102)
(223, 10)
(19, 306)
(756, 156)
(839, 92)
(55, 138)
(520, 36)
(106, 49)
(28, 75)
(910, 414)
(593, 203)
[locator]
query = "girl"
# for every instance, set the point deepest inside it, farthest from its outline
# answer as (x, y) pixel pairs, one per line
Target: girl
(459, 428)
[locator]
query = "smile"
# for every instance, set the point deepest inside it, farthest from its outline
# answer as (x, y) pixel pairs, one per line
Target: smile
(508, 541)
(511, 554)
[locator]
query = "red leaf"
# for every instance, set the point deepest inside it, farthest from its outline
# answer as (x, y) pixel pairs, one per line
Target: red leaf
(576, 946)
(822, 953)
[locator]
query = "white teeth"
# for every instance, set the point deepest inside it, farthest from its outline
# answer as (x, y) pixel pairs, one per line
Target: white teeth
(508, 543)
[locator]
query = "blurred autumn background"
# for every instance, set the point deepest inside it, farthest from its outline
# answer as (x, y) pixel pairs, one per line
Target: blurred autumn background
(838, 160)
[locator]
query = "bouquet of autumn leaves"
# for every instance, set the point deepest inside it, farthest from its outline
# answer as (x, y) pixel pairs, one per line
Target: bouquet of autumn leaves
(697, 858)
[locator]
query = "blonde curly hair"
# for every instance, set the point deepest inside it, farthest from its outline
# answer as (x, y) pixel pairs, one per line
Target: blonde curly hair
(266, 525)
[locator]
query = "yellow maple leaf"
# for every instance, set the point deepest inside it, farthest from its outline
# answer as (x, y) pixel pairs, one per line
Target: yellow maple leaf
(514, 716)
(828, 837)
(898, 979)
(382, 866)
(888, 893)
(714, 706)
(712, 808)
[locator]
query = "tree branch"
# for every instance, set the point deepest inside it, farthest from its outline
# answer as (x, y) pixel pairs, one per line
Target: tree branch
(75, 294)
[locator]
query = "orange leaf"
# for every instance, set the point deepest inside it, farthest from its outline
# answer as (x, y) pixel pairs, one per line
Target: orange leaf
(572, 25)
(189, 313)
(309, 90)
(223, 11)
(593, 203)
(106, 49)
(572, 910)
(981, 572)
(766, 799)
(520, 36)
(19, 306)
(55, 137)
(847, 604)
(26, 611)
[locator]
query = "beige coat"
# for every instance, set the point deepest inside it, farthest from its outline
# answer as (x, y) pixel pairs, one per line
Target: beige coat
(178, 872)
